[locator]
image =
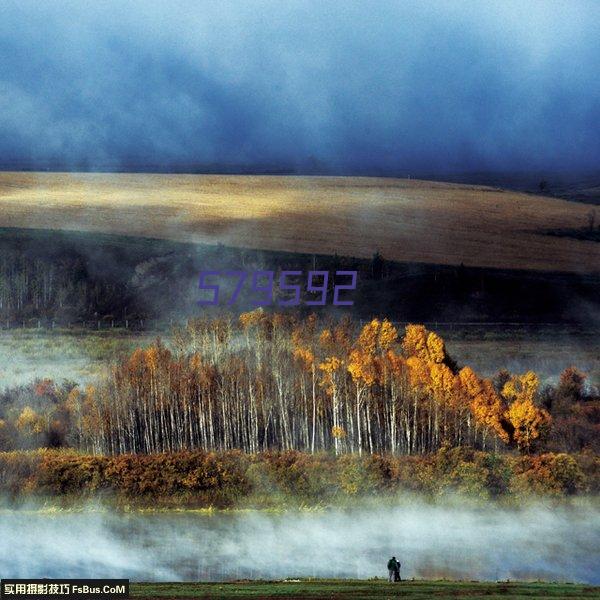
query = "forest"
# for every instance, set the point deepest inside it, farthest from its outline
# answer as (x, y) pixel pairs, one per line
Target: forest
(51, 279)
(269, 381)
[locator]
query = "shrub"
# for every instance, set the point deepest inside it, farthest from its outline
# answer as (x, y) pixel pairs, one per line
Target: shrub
(68, 473)
(223, 479)
(548, 474)
(18, 471)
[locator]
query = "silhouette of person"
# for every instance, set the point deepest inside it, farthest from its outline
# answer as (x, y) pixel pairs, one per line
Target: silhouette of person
(393, 569)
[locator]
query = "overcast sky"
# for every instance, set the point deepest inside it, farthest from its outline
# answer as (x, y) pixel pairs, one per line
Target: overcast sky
(351, 86)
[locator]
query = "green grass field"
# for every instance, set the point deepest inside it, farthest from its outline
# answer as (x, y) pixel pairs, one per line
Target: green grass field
(359, 590)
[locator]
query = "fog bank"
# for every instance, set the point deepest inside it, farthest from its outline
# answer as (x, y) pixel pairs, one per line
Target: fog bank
(539, 542)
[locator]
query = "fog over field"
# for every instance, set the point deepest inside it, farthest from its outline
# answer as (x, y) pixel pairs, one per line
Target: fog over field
(26, 355)
(545, 542)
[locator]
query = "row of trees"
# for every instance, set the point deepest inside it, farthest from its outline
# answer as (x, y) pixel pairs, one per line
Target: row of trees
(273, 381)
(67, 281)
(35, 289)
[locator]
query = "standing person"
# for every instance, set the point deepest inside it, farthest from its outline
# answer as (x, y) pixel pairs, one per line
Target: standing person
(397, 572)
(392, 569)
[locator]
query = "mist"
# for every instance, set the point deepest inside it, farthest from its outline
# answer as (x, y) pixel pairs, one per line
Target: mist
(338, 87)
(557, 543)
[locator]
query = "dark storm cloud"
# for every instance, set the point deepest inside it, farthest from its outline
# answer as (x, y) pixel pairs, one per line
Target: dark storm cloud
(354, 86)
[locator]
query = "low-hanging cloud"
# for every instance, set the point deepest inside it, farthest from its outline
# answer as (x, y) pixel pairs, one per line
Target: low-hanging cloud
(486, 543)
(390, 87)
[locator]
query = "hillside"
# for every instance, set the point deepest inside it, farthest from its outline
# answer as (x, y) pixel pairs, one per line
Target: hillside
(406, 220)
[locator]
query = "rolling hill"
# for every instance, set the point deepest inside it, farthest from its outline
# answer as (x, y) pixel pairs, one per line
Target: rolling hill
(406, 220)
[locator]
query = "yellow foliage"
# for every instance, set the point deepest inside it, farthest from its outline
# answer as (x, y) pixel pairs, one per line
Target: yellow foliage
(470, 381)
(362, 367)
(30, 420)
(367, 359)
(388, 335)
(305, 357)
(251, 318)
(423, 344)
(367, 340)
(442, 383)
(486, 406)
(488, 409)
(418, 372)
(73, 399)
(415, 341)
(329, 366)
(436, 348)
(529, 422)
(337, 340)
(151, 358)
(338, 432)
(326, 338)
(377, 336)
(521, 387)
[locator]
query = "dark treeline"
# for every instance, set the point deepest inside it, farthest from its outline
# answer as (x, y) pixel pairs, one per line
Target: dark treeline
(51, 278)
(268, 381)
(37, 292)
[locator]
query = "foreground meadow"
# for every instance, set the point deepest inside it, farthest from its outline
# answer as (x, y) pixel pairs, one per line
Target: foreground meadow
(359, 590)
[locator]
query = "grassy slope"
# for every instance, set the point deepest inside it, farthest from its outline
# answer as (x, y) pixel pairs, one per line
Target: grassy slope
(407, 220)
(358, 590)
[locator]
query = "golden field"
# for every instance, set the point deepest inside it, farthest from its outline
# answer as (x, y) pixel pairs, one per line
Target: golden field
(406, 220)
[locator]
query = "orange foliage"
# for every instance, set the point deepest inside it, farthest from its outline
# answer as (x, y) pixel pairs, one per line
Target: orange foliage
(487, 407)
(423, 344)
(44, 387)
(197, 478)
(529, 421)
(329, 366)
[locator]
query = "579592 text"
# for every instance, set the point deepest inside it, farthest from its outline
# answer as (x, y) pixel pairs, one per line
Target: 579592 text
(262, 288)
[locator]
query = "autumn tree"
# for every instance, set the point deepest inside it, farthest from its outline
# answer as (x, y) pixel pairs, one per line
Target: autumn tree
(487, 407)
(269, 381)
(529, 421)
